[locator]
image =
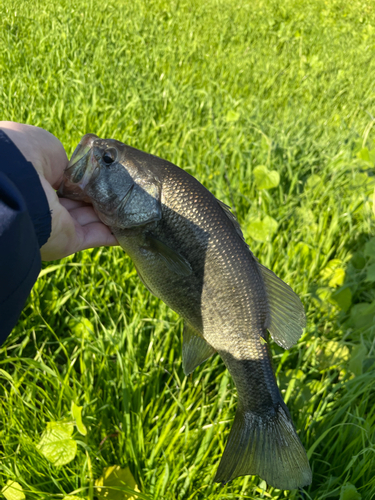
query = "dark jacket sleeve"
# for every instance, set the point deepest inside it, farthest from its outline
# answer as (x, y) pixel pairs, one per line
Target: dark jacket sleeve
(25, 225)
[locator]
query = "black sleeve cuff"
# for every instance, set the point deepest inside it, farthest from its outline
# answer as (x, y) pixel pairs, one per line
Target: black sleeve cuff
(20, 260)
(26, 179)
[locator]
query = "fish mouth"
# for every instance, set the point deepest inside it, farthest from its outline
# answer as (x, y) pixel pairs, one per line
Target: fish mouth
(84, 146)
(79, 170)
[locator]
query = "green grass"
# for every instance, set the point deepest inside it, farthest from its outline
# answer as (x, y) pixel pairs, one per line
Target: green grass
(217, 87)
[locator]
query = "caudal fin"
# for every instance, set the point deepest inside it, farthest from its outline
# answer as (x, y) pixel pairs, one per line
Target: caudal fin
(268, 447)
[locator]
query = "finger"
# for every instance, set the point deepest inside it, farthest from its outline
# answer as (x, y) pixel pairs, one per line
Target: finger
(84, 215)
(97, 234)
(71, 204)
(41, 148)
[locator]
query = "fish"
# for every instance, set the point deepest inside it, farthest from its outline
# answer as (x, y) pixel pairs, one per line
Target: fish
(189, 250)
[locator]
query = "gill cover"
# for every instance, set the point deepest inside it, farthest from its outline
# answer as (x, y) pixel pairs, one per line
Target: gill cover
(140, 205)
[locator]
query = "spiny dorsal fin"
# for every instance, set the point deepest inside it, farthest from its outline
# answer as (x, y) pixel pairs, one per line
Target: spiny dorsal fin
(173, 260)
(195, 349)
(232, 218)
(287, 312)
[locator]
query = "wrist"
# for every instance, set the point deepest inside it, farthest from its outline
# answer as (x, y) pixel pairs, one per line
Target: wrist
(26, 179)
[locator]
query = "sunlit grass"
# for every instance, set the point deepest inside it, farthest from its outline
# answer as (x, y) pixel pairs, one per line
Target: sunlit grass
(217, 88)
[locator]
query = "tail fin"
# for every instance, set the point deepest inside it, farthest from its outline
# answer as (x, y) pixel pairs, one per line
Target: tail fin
(268, 447)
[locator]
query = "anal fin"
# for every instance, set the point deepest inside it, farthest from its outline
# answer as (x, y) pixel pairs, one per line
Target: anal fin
(195, 350)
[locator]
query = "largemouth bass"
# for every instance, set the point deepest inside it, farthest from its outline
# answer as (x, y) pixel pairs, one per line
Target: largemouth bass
(189, 251)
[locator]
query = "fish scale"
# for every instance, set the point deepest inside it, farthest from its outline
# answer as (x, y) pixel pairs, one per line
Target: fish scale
(224, 252)
(190, 252)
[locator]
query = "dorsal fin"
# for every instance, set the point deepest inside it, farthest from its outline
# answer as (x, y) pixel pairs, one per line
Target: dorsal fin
(232, 218)
(287, 312)
(286, 309)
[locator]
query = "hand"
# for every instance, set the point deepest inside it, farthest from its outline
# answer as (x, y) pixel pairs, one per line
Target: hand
(75, 225)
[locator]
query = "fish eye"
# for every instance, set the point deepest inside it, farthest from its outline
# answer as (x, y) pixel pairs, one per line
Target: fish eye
(109, 156)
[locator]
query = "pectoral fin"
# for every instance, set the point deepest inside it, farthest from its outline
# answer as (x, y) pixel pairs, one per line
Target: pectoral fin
(287, 312)
(195, 350)
(173, 260)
